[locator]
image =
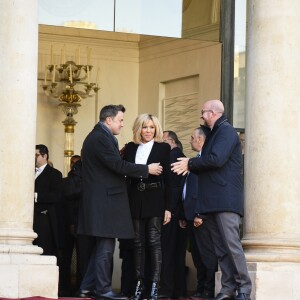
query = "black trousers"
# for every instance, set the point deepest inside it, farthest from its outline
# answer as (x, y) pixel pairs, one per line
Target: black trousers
(147, 234)
(173, 270)
(204, 256)
(127, 267)
(98, 275)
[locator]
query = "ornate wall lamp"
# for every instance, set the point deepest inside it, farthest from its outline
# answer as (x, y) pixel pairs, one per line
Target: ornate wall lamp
(69, 82)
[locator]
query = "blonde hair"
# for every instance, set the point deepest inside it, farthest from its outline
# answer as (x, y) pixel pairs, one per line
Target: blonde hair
(138, 124)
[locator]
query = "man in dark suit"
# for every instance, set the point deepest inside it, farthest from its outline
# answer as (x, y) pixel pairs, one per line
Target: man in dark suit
(48, 189)
(221, 198)
(173, 238)
(201, 244)
(104, 212)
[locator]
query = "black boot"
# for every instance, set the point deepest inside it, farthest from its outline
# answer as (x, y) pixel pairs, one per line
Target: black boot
(138, 293)
(154, 291)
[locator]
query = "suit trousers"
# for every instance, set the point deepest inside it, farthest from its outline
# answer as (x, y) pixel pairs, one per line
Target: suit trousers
(147, 234)
(99, 271)
(206, 254)
(224, 230)
(173, 273)
(204, 257)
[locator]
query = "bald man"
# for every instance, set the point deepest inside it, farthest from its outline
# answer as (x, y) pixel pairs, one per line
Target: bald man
(220, 194)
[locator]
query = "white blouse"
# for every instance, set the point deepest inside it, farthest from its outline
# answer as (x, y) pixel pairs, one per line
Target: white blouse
(143, 152)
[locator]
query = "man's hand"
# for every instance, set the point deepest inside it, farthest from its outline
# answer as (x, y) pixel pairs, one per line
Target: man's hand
(155, 169)
(182, 224)
(167, 217)
(181, 166)
(198, 222)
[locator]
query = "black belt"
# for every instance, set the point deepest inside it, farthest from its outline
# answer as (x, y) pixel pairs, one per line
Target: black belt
(142, 186)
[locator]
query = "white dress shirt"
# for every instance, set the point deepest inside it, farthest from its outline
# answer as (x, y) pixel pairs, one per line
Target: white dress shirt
(39, 170)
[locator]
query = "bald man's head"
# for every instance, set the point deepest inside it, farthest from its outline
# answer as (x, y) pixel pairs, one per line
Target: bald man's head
(216, 105)
(212, 110)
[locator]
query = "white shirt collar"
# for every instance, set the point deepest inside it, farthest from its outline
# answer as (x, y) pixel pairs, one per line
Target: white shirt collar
(41, 168)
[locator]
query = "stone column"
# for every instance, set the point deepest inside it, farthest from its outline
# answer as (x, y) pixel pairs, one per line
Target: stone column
(23, 271)
(272, 151)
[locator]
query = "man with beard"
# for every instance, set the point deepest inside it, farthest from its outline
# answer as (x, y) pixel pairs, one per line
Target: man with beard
(221, 198)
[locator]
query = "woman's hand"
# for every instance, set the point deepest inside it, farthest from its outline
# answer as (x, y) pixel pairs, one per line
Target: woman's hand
(182, 224)
(155, 169)
(167, 217)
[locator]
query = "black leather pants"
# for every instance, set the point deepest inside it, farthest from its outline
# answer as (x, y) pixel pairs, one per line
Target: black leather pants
(147, 233)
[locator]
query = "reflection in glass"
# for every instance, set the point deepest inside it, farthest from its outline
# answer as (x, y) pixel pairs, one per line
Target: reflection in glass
(90, 14)
(240, 64)
(155, 17)
(201, 19)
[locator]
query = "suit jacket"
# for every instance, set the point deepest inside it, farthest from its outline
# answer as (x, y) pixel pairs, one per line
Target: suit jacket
(72, 192)
(48, 186)
(191, 196)
(176, 182)
(104, 209)
(219, 171)
(150, 203)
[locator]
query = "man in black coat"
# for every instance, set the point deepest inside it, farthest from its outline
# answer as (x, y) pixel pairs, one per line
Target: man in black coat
(173, 238)
(201, 245)
(72, 190)
(221, 198)
(104, 212)
(48, 189)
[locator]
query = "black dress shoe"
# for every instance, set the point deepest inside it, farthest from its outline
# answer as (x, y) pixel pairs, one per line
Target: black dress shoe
(85, 294)
(111, 295)
(222, 296)
(242, 296)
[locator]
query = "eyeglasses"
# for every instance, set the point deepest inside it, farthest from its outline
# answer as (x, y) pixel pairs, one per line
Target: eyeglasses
(166, 140)
(206, 110)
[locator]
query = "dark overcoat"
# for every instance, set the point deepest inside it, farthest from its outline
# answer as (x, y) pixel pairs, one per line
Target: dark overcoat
(151, 203)
(220, 187)
(104, 208)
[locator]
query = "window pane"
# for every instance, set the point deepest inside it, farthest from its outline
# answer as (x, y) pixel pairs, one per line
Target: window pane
(155, 17)
(239, 64)
(93, 14)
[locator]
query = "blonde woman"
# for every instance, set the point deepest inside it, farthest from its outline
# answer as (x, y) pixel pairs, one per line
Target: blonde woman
(149, 198)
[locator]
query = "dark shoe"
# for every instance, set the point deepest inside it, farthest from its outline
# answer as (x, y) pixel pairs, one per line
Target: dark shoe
(111, 295)
(242, 296)
(85, 294)
(222, 296)
(154, 291)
